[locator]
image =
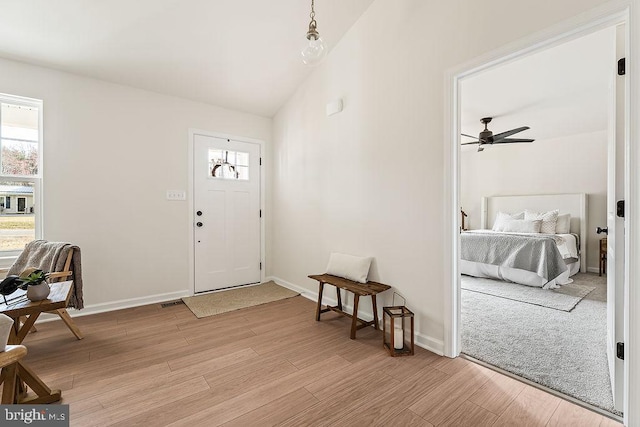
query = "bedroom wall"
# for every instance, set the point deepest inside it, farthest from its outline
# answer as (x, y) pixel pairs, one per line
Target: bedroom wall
(370, 180)
(573, 164)
(111, 152)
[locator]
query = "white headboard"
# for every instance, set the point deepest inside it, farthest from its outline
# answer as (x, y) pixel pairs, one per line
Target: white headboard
(574, 204)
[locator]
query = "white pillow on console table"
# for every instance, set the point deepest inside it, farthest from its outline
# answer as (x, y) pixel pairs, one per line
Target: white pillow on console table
(563, 225)
(520, 226)
(501, 216)
(349, 267)
(549, 220)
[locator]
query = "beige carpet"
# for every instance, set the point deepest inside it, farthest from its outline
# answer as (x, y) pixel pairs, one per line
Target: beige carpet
(235, 299)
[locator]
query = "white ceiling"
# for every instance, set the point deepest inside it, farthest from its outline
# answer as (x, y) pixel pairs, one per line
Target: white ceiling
(238, 54)
(557, 92)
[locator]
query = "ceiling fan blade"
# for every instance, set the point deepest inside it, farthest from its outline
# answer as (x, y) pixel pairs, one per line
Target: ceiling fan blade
(469, 143)
(508, 133)
(480, 148)
(468, 136)
(512, 140)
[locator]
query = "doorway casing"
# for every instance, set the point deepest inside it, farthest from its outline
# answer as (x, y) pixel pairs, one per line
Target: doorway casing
(608, 15)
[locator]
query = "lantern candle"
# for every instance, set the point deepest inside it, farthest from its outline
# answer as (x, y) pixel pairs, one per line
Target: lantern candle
(398, 338)
(398, 330)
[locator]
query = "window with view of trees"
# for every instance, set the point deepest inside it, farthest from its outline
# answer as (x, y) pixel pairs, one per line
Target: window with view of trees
(20, 173)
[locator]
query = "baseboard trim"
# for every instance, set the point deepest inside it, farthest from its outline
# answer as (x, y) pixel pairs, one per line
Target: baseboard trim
(302, 291)
(424, 341)
(118, 305)
(593, 270)
(429, 343)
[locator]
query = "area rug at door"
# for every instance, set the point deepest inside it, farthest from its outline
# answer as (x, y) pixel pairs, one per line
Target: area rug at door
(235, 299)
(565, 298)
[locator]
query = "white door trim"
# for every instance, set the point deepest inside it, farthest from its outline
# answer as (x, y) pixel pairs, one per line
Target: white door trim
(191, 212)
(609, 14)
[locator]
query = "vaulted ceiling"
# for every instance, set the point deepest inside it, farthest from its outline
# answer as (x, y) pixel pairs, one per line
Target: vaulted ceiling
(561, 91)
(239, 54)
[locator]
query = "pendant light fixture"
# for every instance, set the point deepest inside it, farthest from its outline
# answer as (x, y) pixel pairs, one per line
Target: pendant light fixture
(316, 49)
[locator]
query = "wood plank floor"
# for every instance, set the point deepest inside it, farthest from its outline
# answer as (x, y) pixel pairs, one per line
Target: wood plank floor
(272, 365)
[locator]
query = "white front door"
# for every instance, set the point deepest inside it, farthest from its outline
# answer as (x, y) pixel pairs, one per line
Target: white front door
(616, 232)
(227, 213)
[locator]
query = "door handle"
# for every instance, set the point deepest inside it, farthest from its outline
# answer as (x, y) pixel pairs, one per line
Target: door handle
(602, 230)
(199, 224)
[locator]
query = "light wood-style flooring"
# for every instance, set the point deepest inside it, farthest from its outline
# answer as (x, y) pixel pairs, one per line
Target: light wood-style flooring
(272, 365)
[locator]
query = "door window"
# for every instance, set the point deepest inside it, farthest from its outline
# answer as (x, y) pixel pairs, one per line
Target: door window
(227, 164)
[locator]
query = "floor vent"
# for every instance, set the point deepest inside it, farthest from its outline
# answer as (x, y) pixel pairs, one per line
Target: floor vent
(171, 303)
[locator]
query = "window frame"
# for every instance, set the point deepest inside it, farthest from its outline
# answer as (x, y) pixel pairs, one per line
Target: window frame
(8, 257)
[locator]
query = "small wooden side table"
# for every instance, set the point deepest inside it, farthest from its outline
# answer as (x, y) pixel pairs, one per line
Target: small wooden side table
(358, 290)
(58, 298)
(603, 256)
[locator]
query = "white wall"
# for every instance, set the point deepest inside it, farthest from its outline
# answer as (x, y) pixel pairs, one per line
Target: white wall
(110, 154)
(370, 181)
(573, 164)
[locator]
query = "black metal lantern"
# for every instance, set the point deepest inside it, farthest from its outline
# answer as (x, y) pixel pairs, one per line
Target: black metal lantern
(398, 330)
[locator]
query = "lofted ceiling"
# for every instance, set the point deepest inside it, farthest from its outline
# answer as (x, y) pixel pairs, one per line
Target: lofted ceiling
(238, 54)
(558, 92)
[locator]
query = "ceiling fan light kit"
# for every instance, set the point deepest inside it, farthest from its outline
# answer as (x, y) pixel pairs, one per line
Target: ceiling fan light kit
(316, 49)
(487, 137)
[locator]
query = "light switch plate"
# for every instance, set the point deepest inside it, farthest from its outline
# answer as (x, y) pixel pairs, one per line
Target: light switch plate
(176, 195)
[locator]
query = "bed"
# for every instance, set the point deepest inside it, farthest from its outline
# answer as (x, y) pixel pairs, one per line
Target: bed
(525, 256)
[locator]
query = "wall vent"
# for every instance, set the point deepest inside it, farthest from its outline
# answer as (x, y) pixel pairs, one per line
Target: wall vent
(171, 303)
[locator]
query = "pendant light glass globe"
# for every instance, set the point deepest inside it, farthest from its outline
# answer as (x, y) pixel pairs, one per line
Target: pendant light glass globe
(314, 51)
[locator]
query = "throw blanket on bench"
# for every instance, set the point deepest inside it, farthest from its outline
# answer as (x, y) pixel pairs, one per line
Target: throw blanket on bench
(50, 257)
(536, 253)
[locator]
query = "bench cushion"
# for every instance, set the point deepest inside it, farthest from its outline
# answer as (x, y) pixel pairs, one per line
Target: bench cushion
(350, 267)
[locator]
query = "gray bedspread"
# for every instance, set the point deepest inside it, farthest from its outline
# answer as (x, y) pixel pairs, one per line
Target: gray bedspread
(538, 254)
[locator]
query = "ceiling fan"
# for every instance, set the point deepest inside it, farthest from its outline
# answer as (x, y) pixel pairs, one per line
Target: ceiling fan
(487, 137)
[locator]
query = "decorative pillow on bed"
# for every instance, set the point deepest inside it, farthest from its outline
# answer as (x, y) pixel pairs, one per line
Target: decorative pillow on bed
(519, 226)
(563, 225)
(549, 220)
(349, 267)
(501, 217)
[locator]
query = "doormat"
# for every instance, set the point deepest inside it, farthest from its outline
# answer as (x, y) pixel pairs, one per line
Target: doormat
(235, 299)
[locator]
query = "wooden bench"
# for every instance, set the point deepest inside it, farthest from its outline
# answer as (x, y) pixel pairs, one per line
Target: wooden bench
(358, 290)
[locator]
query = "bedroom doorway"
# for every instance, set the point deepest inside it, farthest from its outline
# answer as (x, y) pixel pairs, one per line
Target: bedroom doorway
(612, 139)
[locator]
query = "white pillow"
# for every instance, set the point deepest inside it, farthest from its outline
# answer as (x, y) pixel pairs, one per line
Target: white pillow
(549, 220)
(520, 226)
(501, 216)
(349, 267)
(563, 225)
